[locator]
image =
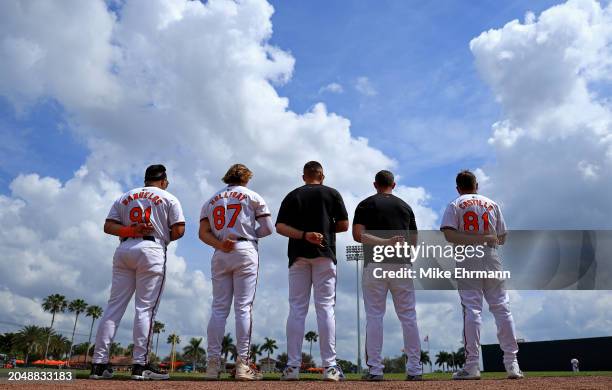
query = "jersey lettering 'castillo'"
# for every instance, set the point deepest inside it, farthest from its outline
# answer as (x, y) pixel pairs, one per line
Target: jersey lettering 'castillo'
(155, 199)
(476, 202)
(227, 195)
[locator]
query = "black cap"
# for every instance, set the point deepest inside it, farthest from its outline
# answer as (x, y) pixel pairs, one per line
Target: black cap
(155, 172)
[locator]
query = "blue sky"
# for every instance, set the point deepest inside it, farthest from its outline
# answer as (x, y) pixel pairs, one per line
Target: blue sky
(410, 84)
(415, 54)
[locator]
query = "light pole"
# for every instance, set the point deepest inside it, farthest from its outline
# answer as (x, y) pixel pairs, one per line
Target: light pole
(355, 253)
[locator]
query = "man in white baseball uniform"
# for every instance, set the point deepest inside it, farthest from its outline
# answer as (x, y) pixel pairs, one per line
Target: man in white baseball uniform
(311, 216)
(232, 221)
(384, 219)
(473, 219)
(146, 219)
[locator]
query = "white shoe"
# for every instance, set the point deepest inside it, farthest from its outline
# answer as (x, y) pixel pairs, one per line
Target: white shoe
(513, 370)
(464, 374)
(333, 374)
(290, 374)
(244, 372)
(213, 368)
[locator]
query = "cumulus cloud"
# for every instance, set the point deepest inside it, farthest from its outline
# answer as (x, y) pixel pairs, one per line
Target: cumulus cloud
(364, 86)
(188, 84)
(552, 145)
(332, 88)
(555, 137)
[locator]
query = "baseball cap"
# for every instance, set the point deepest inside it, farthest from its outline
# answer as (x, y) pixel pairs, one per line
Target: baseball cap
(155, 172)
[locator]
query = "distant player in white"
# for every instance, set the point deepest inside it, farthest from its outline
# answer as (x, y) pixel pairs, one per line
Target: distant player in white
(476, 219)
(229, 223)
(146, 219)
(575, 365)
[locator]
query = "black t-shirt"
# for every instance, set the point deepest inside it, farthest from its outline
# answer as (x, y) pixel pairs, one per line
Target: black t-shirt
(312, 208)
(384, 212)
(384, 215)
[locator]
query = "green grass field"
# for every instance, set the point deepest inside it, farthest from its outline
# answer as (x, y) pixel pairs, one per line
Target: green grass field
(83, 374)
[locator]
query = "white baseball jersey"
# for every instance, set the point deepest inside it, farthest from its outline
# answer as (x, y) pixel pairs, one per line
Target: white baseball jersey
(474, 213)
(233, 211)
(479, 214)
(148, 205)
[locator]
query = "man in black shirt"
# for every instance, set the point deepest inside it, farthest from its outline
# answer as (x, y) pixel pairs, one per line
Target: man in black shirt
(311, 216)
(394, 218)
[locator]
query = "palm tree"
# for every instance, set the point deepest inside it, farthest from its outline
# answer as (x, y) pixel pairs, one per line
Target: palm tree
(94, 312)
(173, 339)
(114, 350)
(226, 346)
(55, 303)
(269, 346)
(281, 361)
(8, 343)
(424, 359)
(29, 340)
(77, 306)
(233, 352)
(254, 351)
(158, 327)
(460, 357)
(312, 337)
(194, 351)
(58, 345)
(442, 358)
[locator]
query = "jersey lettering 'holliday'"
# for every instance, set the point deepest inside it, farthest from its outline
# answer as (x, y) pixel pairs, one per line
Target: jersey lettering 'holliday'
(233, 211)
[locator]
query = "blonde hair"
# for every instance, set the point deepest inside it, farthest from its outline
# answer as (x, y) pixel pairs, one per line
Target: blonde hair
(237, 174)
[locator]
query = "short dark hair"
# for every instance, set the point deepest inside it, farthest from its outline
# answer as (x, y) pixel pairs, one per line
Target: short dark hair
(466, 180)
(155, 172)
(313, 169)
(384, 179)
(237, 174)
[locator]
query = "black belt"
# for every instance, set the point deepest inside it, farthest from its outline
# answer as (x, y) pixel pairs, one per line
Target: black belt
(245, 239)
(146, 238)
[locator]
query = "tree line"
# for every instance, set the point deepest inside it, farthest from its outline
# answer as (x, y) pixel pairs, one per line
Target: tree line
(34, 342)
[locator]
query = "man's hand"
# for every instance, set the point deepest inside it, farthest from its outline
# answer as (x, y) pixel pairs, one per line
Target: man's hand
(314, 238)
(395, 239)
(491, 240)
(143, 229)
(227, 245)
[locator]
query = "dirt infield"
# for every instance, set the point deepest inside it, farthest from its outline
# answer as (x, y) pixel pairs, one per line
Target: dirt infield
(576, 383)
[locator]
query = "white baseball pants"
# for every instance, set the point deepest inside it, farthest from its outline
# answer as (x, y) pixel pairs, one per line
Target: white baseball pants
(472, 293)
(318, 274)
(138, 266)
(234, 277)
(375, 301)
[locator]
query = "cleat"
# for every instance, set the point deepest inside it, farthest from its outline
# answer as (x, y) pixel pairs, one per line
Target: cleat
(290, 374)
(213, 369)
(464, 374)
(513, 371)
(101, 371)
(372, 377)
(413, 378)
(147, 372)
(244, 372)
(333, 374)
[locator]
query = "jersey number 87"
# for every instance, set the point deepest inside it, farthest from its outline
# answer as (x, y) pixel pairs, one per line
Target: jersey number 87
(219, 215)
